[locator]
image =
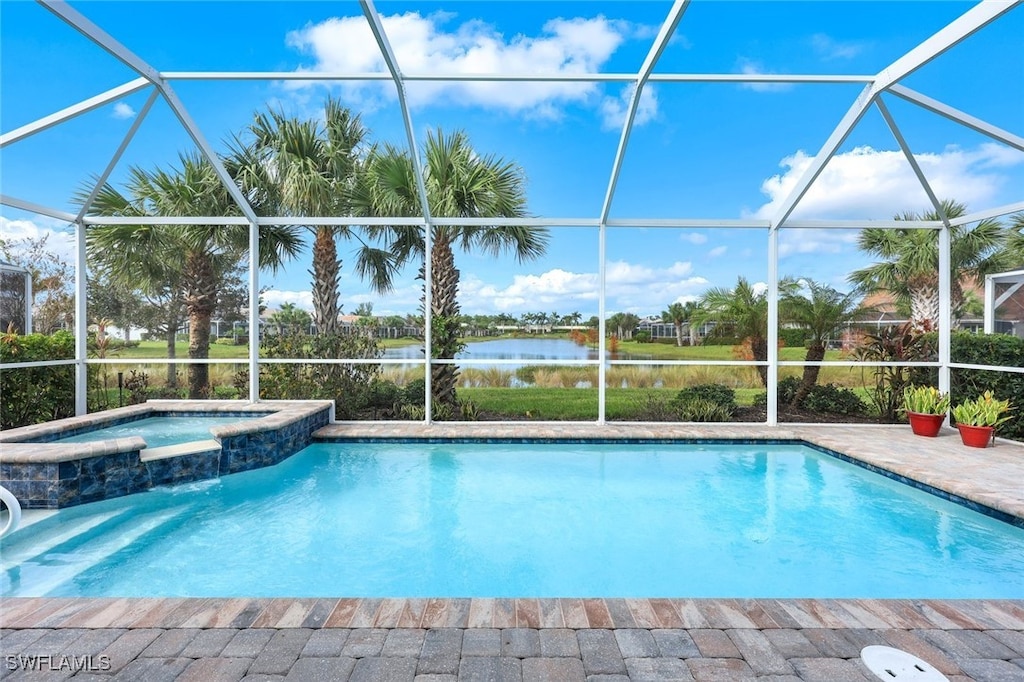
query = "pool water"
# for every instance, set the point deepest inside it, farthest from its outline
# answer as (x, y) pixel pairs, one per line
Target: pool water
(541, 520)
(161, 431)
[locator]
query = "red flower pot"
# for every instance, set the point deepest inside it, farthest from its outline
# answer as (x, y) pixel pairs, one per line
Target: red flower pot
(925, 424)
(975, 436)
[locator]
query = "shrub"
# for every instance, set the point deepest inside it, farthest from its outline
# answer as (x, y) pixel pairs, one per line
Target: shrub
(383, 395)
(225, 392)
(794, 338)
(30, 395)
(832, 399)
(346, 384)
(414, 393)
(1000, 350)
(704, 410)
(225, 341)
(642, 337)
(720, 395)
(137, 385)
(653, 408)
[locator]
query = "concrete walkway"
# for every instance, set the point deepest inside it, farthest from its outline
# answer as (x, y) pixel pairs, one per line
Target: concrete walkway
(454, 640)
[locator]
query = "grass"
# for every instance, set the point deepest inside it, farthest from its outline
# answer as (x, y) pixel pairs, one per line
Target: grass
(579, 404)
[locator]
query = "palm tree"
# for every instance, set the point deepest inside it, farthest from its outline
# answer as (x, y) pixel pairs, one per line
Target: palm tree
(824, 312)
(191, 257)
(459, 183)
(741, 311)
(302, 168)
(909, 265)
(679, 314)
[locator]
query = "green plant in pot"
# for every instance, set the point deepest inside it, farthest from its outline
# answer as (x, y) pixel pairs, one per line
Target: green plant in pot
(926, 408)
(977, 419)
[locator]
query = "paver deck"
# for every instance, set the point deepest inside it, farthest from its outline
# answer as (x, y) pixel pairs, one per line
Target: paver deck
(610, 640)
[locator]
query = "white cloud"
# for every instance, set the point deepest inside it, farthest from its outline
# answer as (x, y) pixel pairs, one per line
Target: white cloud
(816, 241)
(60, 239)
(630, 286)
(753, 68)
(865, 183)
(275, 298)
(697, 238)
(613, 109)
(830, 49)
(425, 45)
(717, 251)
(123, 110)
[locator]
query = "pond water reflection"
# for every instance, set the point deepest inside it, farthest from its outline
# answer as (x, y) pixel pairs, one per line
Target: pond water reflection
(515, 349)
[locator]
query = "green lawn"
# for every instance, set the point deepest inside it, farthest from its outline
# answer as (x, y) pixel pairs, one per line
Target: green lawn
(571, 403)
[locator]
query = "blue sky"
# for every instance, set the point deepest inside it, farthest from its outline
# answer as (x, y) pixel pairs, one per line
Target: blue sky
(699, 150)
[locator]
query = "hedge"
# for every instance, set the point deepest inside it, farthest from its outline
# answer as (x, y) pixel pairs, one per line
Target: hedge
(31, 395)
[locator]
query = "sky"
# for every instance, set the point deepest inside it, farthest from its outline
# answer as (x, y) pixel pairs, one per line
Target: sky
(697, 150)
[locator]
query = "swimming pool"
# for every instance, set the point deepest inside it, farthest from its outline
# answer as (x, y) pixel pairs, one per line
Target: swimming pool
(161, 431)
(408, 520)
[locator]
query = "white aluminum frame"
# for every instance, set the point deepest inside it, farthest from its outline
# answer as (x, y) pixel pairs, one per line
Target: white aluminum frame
(886, 81)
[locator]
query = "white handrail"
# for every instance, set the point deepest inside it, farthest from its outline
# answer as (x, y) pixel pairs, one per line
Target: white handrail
(13, 509)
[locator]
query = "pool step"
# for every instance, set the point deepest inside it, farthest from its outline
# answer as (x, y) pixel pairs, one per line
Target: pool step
(61, 567)
(15, 553)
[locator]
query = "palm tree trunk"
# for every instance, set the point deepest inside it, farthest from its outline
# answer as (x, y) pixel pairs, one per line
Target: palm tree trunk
(759, 348)
(444, 306)
(200, 302)
(694, 338)
(326, 276)
(679, 334)
(815, 353)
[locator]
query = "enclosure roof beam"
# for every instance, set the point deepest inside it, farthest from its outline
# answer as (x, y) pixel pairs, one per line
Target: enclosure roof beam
(956, 31)
(657, 48)
(79, 22)
(935, 106)
(14, 202)
(72, 111)
(518, 77)
(953, 33)
(902, 142)
(990, 213)
(102, 179)
(377, 26)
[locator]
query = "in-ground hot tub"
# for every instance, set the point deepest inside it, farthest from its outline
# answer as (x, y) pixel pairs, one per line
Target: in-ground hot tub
(46, 469)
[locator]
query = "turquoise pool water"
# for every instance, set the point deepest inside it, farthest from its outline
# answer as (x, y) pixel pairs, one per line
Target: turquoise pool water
(408, 520)
(161, 431)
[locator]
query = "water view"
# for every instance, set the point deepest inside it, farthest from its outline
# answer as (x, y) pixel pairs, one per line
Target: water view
(515, 349)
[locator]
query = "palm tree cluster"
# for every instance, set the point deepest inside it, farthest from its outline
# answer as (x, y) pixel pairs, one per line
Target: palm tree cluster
(908, 265)
(305, 168)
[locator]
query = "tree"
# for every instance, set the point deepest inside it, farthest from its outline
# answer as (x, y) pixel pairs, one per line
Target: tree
(302, 168)
(53, 301)
(289, 318)
(116, 302)
(460, 183)
(364, 309)
(909, 265)
(824, 312)
(743, 312)
(193, 258)
(622, 325)
(679, 314)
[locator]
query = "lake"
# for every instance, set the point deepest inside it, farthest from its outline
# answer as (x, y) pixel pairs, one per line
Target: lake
(514, 349)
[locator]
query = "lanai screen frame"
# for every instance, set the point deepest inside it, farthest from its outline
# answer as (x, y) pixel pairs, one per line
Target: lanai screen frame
(886, 81)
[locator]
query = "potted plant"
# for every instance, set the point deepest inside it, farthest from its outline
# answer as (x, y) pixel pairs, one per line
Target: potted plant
(977, 419)
(926, 408)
